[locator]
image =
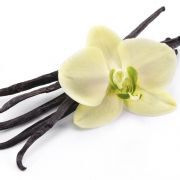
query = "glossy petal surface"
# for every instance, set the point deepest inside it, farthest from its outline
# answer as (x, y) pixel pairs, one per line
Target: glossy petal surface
(84, 77)
(108, 41)
(155, 62)
(151, 103)
(93, 117)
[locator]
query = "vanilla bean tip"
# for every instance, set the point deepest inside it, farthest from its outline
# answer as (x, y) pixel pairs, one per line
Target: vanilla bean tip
(176, 51)
(145, 23)
(163, 8)
(19, 161)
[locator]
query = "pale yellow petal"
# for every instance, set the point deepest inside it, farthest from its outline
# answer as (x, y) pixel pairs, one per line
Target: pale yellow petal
(108, 41)
(155, 62)
(151, 103)
(84, 77)
(93, 117)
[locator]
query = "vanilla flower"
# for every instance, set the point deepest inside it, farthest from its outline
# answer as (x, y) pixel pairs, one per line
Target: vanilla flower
(111, 73)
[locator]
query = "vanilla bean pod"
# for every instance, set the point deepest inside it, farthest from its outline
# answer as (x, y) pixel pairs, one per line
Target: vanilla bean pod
(173, 43)
(145, 23)
(24, 134)
(27, 117)
(12, 102)
(23, 86)
(176, 51)
(62, 110)
(167, 39)
(30, 130)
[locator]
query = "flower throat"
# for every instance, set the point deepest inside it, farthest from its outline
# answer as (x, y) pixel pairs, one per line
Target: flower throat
(123, 84)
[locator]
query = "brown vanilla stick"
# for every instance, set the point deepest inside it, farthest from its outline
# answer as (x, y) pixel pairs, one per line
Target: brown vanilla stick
(62, 110)
(24, 134)
(12, 102)
(23, 86)
(145, 23)
(31, 130)
(173, 43)
(175, 50)
(27, 117)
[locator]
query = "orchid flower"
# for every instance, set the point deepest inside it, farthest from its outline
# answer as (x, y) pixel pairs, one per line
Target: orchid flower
(111, 73)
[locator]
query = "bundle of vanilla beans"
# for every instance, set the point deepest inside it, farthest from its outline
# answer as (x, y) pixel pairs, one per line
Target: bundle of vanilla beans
(64, 105)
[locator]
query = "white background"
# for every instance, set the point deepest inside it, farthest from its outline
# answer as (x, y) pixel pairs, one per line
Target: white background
(35, 38)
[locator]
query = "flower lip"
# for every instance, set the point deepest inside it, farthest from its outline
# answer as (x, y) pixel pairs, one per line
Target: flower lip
(123, 84)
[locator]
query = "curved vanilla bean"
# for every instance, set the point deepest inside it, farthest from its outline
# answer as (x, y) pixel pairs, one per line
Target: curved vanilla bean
(30, 130)
(62, 110)
(173, 43)
(27, 117)
(12, 102)
(145, 23)
(24, 134)
(23, 86)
